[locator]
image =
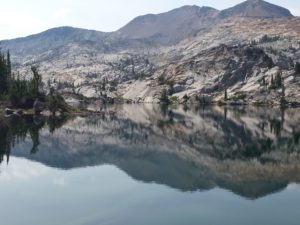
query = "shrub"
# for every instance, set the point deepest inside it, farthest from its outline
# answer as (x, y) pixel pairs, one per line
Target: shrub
(161, 80)
(164, 97)
(240, 95)
(174, 99)
(56, 102)
(185, 98)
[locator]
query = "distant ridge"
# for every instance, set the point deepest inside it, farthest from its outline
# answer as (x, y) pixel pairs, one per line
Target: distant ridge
(154, 29)
(171, 26)
(256, 8)
(178, 24)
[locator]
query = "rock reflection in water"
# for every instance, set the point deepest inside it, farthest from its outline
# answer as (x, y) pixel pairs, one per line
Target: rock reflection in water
(252, 152)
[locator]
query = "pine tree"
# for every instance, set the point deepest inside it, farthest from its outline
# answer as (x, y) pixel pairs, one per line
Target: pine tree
(272, 80)
(263, 81)
(225, 95)
(297, 68)
(164, 97)
(36, 82)
(185, 98)
(282, 100)
(278, 80)
(8, 65)
(55, 102)
(5, 73)
(52, 102)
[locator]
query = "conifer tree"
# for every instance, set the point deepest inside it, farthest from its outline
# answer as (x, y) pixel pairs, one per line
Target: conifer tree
(5, 71)
(225, 95)
(164, 97)
(8, 65)
(283, 100)
(272, 81)
(36, 82)
(278, 80)
(297, 68)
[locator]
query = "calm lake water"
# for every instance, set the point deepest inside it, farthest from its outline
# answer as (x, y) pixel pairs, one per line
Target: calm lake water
(147, 164)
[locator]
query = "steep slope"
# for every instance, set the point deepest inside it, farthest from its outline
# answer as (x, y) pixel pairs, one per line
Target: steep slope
(256, 8)
(199, 50)
(169, 27)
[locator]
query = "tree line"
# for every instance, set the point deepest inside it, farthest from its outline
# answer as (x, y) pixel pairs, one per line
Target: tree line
(17, 92)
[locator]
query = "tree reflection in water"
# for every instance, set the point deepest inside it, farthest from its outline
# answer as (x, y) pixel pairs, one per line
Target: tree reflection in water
(14, 130)
(250, 151)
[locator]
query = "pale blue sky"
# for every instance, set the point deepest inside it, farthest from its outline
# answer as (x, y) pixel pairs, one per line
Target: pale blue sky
(23, 17)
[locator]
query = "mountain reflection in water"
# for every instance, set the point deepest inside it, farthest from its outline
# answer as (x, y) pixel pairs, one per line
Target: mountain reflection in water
(252, 152)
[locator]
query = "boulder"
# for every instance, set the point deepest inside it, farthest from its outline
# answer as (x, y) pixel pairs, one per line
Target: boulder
(178, 88)
(38, 107)
(19, 113)
(46, 113)
(9, 111)
(189, 82)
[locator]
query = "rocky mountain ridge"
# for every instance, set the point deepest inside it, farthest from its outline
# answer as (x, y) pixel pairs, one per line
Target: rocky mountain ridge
(256, 8)
(171, 27)
(191, 51)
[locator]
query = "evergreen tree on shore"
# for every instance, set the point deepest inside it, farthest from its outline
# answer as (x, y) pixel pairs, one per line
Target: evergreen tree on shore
(5, 73)
(225, 95)
(297, 68)
(164, 97)
(17, 92)
(36, 82)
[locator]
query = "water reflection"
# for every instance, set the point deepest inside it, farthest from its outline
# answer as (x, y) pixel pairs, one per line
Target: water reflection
(252, 152)
(14, 130)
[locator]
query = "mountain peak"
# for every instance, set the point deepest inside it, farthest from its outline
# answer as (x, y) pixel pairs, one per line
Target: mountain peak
(169, 27)
(256, 8)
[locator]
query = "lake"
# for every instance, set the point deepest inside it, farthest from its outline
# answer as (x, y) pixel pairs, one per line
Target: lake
(150, 164)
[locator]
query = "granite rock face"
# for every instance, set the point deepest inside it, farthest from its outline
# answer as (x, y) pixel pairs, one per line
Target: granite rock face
(198, 50)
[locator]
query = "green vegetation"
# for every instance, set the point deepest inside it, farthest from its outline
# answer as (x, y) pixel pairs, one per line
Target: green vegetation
(119, 98)
(15, 130)
(267, 39)
(21, 93)
(276, 82)
(164, 97)
(225, 95)
(282, 99)
(5, 73)
(297, 68)
(161, 80)
(185, 98)
(174, 99)
(55, 102)
(263, 81)
(201, 99)
(240, 95)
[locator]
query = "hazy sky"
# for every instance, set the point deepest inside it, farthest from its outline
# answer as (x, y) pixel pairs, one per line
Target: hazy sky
(23, 17)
